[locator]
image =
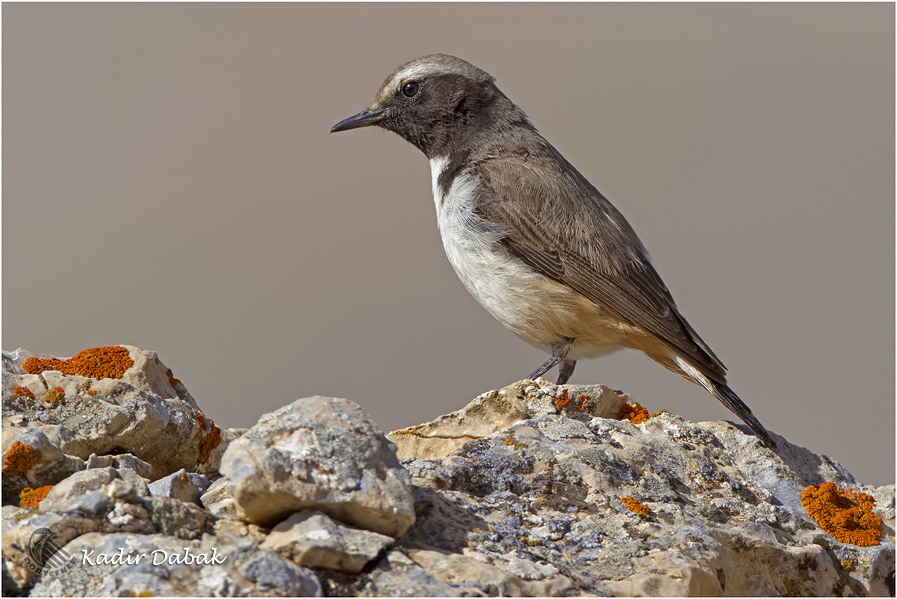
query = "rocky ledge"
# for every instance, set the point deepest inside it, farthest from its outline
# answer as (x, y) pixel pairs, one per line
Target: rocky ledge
(116, 483)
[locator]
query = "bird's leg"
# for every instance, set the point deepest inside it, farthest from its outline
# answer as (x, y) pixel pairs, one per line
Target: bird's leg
(566, 370)
(558, 355)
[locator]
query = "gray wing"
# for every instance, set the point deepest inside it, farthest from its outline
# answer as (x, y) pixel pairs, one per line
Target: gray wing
(549, 223)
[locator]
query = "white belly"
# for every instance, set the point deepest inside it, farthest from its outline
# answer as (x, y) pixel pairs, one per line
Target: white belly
(536, 308)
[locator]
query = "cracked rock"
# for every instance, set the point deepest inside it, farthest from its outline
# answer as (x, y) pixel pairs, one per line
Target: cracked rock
(324, 454)
(313, 539)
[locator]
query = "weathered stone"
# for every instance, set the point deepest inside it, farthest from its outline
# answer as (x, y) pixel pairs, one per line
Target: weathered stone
(534, 489)
(125, 460)
(544, 497)
(210, 467)
(218, 568)
(94, 501)
(65, 495)
(219, 500)
(49, 467)
(181, 485)
(313, 539)
(324, 454)
(108, 415)
(496, 410)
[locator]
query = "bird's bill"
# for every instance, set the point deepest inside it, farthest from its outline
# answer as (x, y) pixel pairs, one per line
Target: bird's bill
(365, 118)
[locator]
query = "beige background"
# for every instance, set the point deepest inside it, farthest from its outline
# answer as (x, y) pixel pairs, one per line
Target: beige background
(169, 182)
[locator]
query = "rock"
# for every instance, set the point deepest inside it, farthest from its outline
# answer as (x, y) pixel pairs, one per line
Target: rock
(31, 460)
(210, 467)
(126, 460)
(324, 454)
(496, 410)
(95, 500)
(554, 494)
(181, 485)
(535, 489)
(160, 565)
(313, 539)
(219, 500)
(139, 369)
(66, 495)
(144, 411)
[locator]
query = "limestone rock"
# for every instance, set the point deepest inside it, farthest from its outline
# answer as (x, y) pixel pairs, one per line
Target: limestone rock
(218, 568)
(496, 410)
(552, 495)
(324, 454)
(144, 412)
(313, 539)
(125, 460)
(535, 489)
(181, 485)
(219, 500)
(146, 373)
(32, 460)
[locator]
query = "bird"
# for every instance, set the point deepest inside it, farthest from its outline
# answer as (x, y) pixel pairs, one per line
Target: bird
(534, 242)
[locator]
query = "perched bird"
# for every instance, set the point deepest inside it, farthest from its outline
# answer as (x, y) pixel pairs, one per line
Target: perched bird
(533, 241)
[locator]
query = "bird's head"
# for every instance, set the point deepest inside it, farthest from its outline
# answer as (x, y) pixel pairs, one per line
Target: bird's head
(437, 103)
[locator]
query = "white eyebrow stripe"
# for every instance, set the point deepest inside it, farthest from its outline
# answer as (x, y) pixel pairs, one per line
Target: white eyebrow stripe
(413, 72)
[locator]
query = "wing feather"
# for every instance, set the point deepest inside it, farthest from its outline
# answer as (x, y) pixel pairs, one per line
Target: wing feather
(549, 223)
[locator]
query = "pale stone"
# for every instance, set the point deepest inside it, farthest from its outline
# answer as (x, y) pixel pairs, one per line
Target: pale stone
(495, 410)
(324, 454)
(181, 485)
(313, 539)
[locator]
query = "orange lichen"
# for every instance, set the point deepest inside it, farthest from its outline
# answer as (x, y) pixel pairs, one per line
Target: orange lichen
(208, 442)
(19, 458)
(582, 402)
(171, 380)
(635, 506)
(633, 412)
(843, 513)
(95, 363)
(563, 400)
(23, 392)
(32, 497)
(53, 395)
(636, 414)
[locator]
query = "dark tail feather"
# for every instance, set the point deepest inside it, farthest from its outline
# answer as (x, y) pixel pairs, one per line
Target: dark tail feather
(723, 393)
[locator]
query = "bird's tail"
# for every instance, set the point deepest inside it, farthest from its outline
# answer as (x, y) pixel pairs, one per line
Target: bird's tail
(723, 393)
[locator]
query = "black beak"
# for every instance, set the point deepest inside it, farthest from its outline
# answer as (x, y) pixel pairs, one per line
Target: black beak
(365, 118)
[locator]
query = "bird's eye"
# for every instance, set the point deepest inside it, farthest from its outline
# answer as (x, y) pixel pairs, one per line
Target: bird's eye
(410, 89)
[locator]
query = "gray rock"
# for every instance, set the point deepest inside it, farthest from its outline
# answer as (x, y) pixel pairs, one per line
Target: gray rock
(141, 413)
(324, 454)
(165, 566)
(496, 410)
(66, 495)
(95, 500)
(181, 485)
(219, 500)
(125, 460)
(50, 466)
(313, 539)
(210, 467)
(542, 500)
(528, 490)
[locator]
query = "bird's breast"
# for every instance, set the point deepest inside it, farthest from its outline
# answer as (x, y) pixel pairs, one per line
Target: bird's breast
(538, 309)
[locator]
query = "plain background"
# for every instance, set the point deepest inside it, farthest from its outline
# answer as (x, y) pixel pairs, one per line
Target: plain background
(169, 182)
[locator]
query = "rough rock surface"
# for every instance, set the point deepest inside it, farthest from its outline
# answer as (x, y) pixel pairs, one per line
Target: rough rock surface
(141, 413)
(534, 489)
(324, 454)
(314, 539)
